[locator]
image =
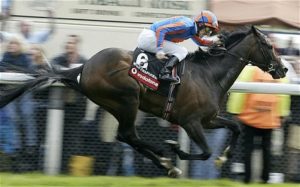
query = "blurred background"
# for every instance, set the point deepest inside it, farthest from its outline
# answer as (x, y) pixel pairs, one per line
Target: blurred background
(58, 131)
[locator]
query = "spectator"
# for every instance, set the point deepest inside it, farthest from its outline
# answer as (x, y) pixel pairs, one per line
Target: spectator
(26, 31)
(274, 43)
(30, 36)
(216, 139)
(291, 50)
(9, 141)
(21, 110)
(40, 65)
(39, 62)
(259, 114)
(71, 55)
(37, 37)
(293, 143)
(120, 155)
(293, 128)
(156, 133)
(15, 53)
(5, 12)
(73, 101)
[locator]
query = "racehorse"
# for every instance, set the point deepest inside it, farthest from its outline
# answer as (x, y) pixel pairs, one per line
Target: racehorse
(104, 79)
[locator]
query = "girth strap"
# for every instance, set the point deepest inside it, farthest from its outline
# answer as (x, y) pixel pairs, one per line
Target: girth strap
(172, 91)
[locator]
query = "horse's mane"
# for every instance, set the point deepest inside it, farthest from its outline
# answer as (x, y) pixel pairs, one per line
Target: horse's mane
(230, 38)
(236, 35)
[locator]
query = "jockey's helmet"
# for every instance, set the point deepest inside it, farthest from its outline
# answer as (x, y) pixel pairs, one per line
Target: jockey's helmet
(208, 19)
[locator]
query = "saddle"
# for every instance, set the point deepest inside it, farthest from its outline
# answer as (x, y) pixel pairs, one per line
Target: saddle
(146, 68)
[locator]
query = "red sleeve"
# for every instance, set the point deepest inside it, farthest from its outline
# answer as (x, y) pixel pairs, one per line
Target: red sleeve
(202, 41)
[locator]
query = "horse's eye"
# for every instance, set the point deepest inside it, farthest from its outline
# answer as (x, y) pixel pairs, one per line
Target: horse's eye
(270, 46)
(265, 42)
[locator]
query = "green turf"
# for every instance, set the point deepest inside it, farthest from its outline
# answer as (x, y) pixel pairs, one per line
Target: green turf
(39, 180)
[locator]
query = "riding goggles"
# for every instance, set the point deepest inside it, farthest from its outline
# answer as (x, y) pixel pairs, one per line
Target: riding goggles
(206, 31)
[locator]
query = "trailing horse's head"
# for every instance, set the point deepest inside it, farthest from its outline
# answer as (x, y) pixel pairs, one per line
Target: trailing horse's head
(265, 57)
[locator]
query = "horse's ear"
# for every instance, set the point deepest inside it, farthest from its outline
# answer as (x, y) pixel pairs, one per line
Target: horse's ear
(254, 30)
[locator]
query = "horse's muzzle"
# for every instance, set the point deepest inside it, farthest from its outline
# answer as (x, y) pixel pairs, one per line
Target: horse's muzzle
(279, 72)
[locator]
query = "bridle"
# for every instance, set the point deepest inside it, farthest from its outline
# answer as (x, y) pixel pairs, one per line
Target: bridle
(266, 55)
(244, 61)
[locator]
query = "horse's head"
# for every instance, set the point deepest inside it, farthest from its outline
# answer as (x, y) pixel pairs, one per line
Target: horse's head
(263, 55)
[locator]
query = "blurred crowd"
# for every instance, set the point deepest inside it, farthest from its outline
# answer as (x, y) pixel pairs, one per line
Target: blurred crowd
(86, 133)
(23, 122)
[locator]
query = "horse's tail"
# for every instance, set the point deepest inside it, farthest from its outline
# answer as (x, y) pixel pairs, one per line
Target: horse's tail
(38, 80)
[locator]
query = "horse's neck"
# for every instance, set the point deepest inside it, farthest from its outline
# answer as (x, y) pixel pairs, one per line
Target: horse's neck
(233, 66)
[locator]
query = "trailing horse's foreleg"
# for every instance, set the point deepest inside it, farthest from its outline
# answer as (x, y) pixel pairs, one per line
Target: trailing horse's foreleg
(233, 126)
(221, 122)
(195, 132)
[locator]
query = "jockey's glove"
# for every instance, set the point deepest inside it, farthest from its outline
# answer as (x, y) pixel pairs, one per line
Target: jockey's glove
(218, 42)
(161, 55)
(222, 38)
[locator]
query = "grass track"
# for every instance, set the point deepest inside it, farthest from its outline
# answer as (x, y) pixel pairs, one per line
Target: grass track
(39, 180)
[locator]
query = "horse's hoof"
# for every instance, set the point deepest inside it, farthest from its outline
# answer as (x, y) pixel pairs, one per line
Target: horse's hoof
(166, 162)
(227, 152)
(174, 172)
(220, 161)
(172, 143)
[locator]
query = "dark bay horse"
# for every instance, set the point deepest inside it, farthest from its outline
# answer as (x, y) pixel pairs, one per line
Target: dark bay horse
(104, 79)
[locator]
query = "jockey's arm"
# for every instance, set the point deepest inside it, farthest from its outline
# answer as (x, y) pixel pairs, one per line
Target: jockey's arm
(202, 41)
(165, 29)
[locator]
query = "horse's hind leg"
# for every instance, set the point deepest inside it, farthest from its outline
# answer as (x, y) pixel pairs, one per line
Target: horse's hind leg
(126, 115)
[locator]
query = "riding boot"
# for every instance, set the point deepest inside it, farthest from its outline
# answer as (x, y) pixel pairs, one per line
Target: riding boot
(166, 71)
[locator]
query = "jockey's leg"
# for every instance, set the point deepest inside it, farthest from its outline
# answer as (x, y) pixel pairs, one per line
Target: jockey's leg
(177, 53)
(166, 71)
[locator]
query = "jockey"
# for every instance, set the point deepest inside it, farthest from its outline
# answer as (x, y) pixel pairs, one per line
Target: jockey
(163, 36)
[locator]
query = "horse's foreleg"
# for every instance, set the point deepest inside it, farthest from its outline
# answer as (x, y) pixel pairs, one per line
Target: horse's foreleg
(234, 127)
(221, 122)
(195, 132)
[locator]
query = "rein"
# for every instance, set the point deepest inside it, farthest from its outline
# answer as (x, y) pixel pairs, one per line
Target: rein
(226, 50)
(241, 59)
(246, 61)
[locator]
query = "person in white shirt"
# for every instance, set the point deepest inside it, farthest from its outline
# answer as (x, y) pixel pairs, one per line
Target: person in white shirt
(37, 37)
(30, 36)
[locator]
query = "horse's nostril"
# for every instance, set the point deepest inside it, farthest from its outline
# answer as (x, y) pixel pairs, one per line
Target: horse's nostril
(285, 70)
